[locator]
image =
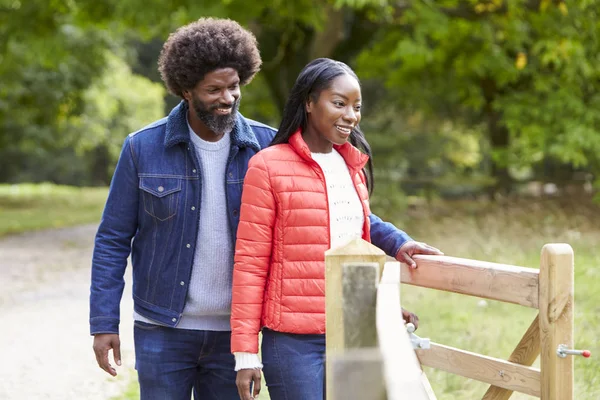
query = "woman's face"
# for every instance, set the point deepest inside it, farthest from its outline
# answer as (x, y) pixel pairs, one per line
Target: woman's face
(333, 115)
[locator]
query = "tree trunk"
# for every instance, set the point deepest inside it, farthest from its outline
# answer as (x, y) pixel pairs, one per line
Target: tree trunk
(100, 162)
(499, 140)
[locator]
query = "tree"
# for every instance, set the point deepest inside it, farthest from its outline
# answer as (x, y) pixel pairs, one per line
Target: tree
(526, 69)
(51, 55)
(118, 103)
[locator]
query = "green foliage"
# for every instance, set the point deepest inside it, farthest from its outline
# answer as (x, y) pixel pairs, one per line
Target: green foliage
(258, 104)
(116, 104)
(66, 100)
(38, 92)
(518, 79)
(27, 207)
(531, 70)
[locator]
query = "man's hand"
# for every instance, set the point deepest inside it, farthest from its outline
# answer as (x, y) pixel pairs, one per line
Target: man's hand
(411, 248)
(103, 342)
(407, 316)
(243, 380)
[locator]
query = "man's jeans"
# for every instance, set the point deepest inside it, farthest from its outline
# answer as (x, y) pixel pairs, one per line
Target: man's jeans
(171, 362)
(294, 365)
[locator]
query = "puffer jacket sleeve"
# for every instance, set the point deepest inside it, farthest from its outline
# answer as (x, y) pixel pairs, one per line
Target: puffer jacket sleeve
(252, 256)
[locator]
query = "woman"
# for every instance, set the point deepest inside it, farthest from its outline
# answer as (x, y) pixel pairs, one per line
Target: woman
(306, 193)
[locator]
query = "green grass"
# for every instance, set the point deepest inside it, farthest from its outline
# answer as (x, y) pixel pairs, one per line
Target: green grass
(28, 207)
(132, 392)
(511, 233)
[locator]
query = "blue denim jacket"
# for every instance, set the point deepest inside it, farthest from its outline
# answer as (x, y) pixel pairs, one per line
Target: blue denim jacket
(152, 213)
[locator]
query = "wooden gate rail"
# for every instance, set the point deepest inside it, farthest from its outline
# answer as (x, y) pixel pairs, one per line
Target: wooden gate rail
(507, 283)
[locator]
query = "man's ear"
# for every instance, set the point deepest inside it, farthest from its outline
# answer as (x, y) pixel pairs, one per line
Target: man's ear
(187, 95)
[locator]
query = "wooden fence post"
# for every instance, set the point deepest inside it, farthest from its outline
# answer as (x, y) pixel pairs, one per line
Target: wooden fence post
(351, 276)
(556, 320)
(357, 374)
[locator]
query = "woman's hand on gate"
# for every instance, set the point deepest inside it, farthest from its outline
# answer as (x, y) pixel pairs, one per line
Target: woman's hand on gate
(411, 248)
(407, 316)
(244, 380)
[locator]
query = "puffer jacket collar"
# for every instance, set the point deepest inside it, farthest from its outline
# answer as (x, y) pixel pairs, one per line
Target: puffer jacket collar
(355, 159)
(177, 130)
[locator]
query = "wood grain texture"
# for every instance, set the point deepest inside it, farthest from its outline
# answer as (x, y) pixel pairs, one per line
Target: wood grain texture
(556, 320)
(359, 297)
(507, 283)
(491, 370)
(525, 353)
(356, 252)
(357, 374)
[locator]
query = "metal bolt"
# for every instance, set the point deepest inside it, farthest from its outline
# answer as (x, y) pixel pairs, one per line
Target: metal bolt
(563, 351)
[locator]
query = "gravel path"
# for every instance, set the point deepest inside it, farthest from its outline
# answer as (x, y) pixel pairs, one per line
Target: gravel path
(45, 344)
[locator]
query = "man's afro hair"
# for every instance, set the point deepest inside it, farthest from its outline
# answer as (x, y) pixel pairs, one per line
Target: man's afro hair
(203, 46)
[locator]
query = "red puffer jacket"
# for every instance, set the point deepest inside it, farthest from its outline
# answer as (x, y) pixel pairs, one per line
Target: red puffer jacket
(279, 273)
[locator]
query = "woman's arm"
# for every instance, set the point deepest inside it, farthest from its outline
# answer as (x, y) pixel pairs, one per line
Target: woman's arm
(252, 256)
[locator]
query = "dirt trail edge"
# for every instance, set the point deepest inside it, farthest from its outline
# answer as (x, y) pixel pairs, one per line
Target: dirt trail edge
(44, 337)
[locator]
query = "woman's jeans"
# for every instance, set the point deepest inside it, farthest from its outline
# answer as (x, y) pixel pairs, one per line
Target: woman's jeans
(294, 365)
(173, 362)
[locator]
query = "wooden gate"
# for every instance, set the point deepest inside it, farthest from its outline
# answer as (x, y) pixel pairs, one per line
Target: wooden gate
(367, 344)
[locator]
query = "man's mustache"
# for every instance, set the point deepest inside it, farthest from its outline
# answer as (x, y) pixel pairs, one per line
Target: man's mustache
(212, 108)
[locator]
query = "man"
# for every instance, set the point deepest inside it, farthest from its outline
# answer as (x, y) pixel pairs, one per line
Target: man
(174, 205)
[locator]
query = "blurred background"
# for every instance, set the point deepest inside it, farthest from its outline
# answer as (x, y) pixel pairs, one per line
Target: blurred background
(484, 118)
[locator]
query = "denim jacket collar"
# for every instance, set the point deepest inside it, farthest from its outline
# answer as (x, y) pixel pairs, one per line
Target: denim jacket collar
(177, 129)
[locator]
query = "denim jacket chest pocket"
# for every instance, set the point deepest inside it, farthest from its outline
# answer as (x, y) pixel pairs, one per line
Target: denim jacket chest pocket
(160, 196)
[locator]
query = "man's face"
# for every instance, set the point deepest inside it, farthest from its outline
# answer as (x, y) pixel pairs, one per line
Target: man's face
(216, 99)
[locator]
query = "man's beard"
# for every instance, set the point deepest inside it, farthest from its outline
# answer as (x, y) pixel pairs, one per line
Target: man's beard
(219, 124)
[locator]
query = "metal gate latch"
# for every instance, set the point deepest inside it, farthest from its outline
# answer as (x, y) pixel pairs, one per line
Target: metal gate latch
(563, 351)
(417, 342)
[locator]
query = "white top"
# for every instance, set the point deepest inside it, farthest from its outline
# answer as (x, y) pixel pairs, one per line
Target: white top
(346, 219)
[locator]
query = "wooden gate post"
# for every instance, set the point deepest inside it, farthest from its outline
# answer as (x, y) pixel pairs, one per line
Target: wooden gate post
(351, 277)
(556, 295)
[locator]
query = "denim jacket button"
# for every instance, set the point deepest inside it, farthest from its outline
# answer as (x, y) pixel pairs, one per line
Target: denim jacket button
(194, 171)
(174, 320)
(188, 245)
(235, 213)
(182, 283)
(231, 174)
(161, 189)
(193, 208)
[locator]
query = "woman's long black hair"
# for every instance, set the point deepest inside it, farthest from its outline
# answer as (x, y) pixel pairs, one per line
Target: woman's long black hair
(313, 79)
